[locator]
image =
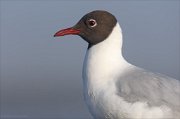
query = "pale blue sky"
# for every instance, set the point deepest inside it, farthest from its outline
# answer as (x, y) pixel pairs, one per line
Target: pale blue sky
(41, 75)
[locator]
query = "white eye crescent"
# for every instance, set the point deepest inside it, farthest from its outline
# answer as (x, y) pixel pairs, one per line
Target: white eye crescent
(92, 22)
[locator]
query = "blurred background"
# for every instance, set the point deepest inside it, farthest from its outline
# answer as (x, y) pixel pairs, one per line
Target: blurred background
(40, 76)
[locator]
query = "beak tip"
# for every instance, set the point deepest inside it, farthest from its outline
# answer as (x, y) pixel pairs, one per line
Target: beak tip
(56, 34)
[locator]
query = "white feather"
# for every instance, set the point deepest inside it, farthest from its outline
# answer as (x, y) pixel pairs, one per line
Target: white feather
(102, 65)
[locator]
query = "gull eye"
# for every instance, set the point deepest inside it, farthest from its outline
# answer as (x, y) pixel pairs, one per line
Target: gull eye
(92, 23)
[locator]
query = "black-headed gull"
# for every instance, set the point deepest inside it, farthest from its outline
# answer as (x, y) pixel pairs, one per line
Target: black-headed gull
(114, 88)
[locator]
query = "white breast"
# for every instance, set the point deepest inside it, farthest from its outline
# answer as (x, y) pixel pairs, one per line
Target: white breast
(102, 65)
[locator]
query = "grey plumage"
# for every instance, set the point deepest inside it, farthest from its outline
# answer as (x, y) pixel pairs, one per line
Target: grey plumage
(154, 89)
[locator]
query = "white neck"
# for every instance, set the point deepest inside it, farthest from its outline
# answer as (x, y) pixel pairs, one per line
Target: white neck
(102, 64)
(105, 58)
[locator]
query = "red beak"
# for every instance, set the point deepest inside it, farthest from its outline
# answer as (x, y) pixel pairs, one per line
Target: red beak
(67, 31)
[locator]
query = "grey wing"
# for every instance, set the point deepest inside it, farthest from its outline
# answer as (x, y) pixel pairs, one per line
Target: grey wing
(155, 89)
